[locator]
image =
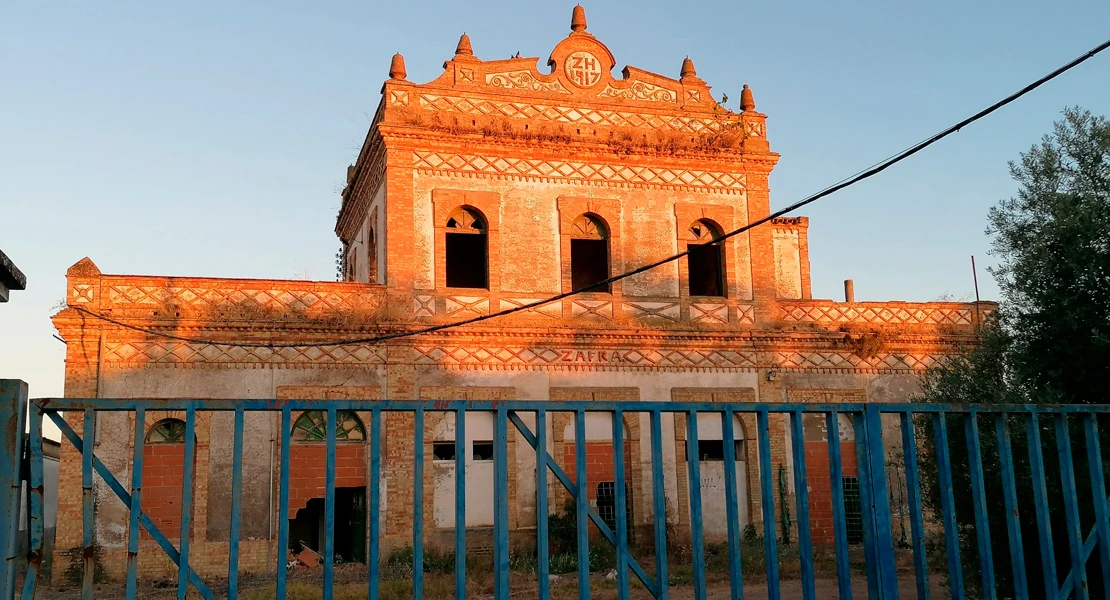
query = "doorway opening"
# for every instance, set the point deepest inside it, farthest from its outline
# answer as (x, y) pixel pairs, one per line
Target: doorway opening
(307, 530)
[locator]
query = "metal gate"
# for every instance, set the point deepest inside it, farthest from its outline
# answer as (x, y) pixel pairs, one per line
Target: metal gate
(887, 437)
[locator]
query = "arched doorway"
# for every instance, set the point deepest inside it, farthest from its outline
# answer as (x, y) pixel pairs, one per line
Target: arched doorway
(711, 448)
(600, 470)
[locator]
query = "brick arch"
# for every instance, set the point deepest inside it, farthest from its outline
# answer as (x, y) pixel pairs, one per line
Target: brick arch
(433, 422)
(308, 460)
(488, 204)
(201, 426)
(163, 474)
(816, 441)
(722, 216)
(606, 210)
(751, 448)
(563, 450)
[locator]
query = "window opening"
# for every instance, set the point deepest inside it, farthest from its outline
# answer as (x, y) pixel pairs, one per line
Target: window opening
(714, 450)
(483, 450)
(607, 503)
(167, 431)
(443, 450)
(706, 261)
(467, 250)
(306, 528)
(589, 253)
(372, 258)
(853, 511)
(312, 426)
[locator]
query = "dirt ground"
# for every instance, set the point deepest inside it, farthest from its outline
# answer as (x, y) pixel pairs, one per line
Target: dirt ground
(350, 584)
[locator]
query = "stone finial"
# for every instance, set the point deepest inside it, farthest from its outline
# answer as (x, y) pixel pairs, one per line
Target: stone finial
(397, 67)
(687, 69)
(464, 48)
(578, 19)
(747, 101)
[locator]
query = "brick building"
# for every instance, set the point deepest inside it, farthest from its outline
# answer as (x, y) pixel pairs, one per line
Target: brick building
(497, 185)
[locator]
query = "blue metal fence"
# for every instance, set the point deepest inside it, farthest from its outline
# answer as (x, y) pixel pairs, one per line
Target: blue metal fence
(873, 461)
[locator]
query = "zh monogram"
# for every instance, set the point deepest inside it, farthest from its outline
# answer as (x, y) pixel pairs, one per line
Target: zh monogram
(583, 69)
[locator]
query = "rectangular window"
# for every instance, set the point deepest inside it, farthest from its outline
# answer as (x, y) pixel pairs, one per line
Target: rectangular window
(714, 450)
(607, 503)
(467, 263)
(706, 269)
(853, 511)
(589, 264)
(483, 450)
(443, 450)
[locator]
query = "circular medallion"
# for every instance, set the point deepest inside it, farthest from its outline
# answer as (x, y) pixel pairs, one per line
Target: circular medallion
(583, 69)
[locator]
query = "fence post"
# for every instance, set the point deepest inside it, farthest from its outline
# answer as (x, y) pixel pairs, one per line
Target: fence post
(878, 512)
(13, 411)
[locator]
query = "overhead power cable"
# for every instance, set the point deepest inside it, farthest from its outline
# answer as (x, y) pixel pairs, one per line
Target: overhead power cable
(860, 176)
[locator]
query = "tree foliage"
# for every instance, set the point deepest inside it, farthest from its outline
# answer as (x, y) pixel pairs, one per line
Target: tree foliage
(1049, 342)
(1053, 244)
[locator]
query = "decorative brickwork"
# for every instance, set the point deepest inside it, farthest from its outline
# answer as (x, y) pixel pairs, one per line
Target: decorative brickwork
(600, 453)
(818, 476)
(653, 160)
(747, 427)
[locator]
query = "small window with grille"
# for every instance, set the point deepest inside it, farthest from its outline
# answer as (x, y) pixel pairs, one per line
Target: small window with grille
(312, 426)
(607, 503)
(167, 431)
(853, 511)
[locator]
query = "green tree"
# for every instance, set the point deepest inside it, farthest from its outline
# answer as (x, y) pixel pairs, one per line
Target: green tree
(1053, 244)
(1049, 342)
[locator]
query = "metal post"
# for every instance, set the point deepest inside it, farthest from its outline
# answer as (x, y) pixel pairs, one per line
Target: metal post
(13, 407)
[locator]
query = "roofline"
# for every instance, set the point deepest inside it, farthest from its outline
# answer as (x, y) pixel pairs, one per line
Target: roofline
(10, 275)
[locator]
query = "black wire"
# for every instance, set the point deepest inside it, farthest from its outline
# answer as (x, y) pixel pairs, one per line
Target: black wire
(860, 176)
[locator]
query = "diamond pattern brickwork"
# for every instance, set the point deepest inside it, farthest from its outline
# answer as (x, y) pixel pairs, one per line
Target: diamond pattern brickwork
(878, 313)
(177, 353)
(204, 299)
(548, 357)
(569, 114)
(635, 175)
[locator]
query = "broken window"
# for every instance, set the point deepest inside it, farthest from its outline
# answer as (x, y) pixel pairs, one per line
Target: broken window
(714, 450)
(706, 260)
(589, 253)
(483, 450)
(443, 450)
(312, 426)
(467, 250)
(167, 431)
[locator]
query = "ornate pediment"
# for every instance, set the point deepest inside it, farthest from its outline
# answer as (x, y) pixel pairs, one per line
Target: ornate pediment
(580, 69)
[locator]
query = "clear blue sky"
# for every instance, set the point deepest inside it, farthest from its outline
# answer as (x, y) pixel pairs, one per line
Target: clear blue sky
(212, 138)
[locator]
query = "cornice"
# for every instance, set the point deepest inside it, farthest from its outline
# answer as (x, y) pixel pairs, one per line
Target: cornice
(404, 137)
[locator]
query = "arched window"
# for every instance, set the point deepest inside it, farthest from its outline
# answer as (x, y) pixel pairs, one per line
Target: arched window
(167, 431)
(589, 253)
(372, 257)
(312, 426)
(467, 252)
(706, 261)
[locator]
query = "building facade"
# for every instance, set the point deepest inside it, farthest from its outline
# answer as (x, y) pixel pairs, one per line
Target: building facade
(499, 185)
